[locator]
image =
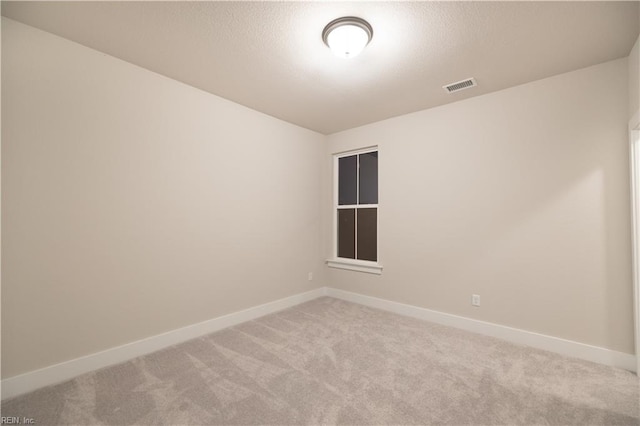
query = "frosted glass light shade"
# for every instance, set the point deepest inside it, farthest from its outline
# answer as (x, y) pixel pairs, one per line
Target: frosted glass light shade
(348, 36)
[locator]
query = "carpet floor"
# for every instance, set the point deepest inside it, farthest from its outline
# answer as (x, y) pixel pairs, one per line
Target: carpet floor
(329, 362)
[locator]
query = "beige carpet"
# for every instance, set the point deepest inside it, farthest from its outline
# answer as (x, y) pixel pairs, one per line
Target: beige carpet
(333, 362)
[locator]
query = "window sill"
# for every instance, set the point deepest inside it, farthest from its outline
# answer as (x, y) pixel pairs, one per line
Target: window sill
(355, 265)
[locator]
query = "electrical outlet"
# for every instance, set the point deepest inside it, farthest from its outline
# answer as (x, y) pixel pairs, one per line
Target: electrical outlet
(475, 300)
(310, 276)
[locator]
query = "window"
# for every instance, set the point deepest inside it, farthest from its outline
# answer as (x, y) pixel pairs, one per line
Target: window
(356, 211)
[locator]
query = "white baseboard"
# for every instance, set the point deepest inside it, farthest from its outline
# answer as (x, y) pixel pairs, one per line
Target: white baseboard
(67, 370)
(523, 337)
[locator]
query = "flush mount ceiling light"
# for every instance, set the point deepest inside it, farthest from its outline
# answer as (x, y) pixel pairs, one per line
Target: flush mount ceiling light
(347, 36)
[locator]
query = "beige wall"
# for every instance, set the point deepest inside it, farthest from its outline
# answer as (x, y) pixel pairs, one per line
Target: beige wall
(134, 204)
(520, 196)
(634, 78)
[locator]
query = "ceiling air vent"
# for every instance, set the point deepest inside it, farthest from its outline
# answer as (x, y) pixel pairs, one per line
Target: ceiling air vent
(460, 85)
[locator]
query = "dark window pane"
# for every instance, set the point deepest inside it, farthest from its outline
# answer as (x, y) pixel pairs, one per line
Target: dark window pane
(347, 180)
(369, 178)
(347, 233)
(368, 234)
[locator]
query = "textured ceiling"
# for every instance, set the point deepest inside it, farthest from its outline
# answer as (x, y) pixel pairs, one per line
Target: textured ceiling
(270, 57)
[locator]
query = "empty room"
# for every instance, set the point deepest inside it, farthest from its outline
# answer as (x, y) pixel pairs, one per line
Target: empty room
(305, 213)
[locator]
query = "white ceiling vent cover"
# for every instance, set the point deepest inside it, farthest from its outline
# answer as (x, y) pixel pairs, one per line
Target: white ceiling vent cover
(460, 85)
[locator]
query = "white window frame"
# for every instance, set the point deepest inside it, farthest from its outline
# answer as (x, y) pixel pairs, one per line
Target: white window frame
(346, 263)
